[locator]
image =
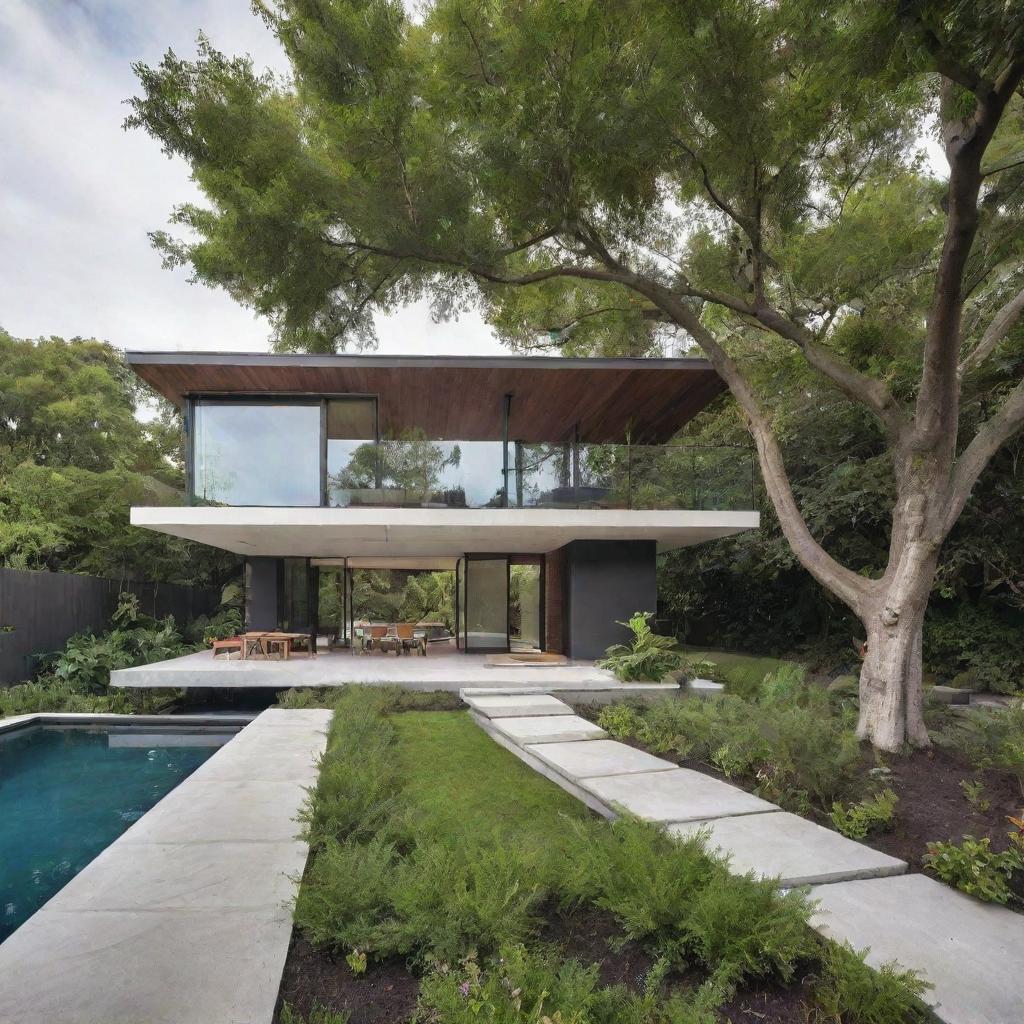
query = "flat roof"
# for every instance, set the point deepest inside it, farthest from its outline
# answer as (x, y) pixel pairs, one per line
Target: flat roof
(461, 397)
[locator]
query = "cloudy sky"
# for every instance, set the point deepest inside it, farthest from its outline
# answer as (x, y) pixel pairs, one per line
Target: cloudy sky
(78, 194)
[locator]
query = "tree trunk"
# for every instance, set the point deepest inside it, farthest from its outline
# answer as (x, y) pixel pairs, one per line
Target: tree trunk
(891, 692)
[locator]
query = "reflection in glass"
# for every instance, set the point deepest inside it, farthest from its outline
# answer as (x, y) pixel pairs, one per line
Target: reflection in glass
(261, 453)
(524, 607)
(351, 460)
(486, 603)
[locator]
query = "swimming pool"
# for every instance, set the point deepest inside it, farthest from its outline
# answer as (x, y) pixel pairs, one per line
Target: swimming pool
(66, 793)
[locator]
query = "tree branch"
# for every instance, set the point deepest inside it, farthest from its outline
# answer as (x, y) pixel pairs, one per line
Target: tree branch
(1002, 323)
(991, 435)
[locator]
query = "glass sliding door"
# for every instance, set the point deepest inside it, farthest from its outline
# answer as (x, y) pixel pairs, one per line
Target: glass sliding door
(485, 612)
(526, 603)
(353, 472)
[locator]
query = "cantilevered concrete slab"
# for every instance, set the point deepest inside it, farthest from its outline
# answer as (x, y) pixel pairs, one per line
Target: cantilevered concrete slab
(184, 919)
(553, 729)
(679, 795)
(971, 952)
(579, 761)
(794, 850)
(517, 705)
(396, 532)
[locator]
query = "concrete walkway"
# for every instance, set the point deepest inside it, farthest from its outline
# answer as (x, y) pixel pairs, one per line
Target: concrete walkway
(185, 918)
(971, 952)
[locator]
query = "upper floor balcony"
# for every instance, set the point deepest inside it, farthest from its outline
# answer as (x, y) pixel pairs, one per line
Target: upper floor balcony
(325, 453)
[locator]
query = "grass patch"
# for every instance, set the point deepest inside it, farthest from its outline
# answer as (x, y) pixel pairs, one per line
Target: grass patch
(741, 673)
(463, 784)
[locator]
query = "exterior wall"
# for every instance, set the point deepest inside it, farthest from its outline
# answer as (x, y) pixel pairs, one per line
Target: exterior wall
(261, 610)
(606, 581)
(554, 601)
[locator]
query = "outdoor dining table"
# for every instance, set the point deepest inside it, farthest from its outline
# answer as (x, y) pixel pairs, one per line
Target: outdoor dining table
(261, 644)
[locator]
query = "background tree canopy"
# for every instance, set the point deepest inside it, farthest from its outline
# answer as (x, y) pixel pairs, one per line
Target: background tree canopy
(74, 457)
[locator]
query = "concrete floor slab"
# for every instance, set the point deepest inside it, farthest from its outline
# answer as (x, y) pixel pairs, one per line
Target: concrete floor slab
(596, 757)
(253, 763)
(678, 795)
(160, 967)
(517, 705)
(313, 718)
(972, 952)
(794, 850)
(186, 876)
(551, 729)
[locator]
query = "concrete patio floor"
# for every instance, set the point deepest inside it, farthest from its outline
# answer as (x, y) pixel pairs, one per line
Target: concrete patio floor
(439, 670)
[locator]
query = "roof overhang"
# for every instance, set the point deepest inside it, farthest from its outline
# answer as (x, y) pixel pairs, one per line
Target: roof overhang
(425, 533)
(461, 398)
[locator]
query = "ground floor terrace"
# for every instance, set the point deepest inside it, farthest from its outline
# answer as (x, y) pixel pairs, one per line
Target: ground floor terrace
(442, 669)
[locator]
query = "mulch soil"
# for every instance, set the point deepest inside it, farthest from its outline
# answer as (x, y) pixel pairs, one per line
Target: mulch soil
(387, 992)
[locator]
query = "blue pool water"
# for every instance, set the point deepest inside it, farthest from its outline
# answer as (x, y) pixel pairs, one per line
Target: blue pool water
(66, 794)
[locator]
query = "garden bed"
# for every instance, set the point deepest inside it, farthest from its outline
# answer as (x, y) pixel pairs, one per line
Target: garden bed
(544, 891)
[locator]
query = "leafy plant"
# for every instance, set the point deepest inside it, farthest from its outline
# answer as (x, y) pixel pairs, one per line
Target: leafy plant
(975, 868)
(974, 794)
(318, 1015)
(356, 961)
(647, 658)
(872, 814)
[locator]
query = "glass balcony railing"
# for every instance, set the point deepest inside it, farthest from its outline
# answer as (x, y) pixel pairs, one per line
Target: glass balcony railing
(424, 473)
(619, 476)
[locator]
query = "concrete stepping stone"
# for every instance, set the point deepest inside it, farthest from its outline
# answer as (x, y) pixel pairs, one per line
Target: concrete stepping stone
(596, 757)
(519, 705)
(679, 795)
(972, 952)
(550, 729)
(794, 850)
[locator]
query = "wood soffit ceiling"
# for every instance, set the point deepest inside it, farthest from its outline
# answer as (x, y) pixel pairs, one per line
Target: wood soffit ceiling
(460, 398)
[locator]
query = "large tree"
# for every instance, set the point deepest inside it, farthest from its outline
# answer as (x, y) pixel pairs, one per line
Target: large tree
(745, 172)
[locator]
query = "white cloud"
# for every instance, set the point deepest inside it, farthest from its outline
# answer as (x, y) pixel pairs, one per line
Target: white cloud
(78, 194)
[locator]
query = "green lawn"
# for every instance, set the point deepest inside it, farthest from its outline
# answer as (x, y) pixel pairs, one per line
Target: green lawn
(464, 784)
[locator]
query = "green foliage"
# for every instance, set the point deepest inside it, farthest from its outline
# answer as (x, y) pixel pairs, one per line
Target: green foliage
(792, 744)
(74, 458)
(532, 987)
(982, 648)
(990, 739)
(848, 991)
(318, 1015)
(742, 674)
(872, 814)
(974, 794)
(975, 868)
(647, 658)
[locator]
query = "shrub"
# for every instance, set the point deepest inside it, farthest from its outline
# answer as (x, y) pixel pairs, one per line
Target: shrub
(974, 794)
(797, 750)
(969, 679)
(872, 814)
(847, 990)
(991, 739)
(670, 895)
(785, 683)
(845, 686)
(446, 900)
(975, 868)
(647, 658)
(344, 901)
(318, 1015)
(529, 987)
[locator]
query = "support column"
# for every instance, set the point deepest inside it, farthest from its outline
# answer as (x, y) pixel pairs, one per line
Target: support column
(606, 582)
(261, 593)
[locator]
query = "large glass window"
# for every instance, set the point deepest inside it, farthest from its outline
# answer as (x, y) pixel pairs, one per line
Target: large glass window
(259, 453)
(352, 464)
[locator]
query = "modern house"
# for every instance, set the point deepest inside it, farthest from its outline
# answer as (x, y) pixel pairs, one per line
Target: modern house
(548, 486)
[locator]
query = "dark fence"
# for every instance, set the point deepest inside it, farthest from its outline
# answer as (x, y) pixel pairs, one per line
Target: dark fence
(39, 611)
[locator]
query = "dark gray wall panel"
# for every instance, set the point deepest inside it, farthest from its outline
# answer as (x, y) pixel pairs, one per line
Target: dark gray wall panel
(607, 581)
(261, 593)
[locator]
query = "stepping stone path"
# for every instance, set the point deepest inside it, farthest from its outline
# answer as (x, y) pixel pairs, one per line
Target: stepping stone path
(973, 953)
(550, 729)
